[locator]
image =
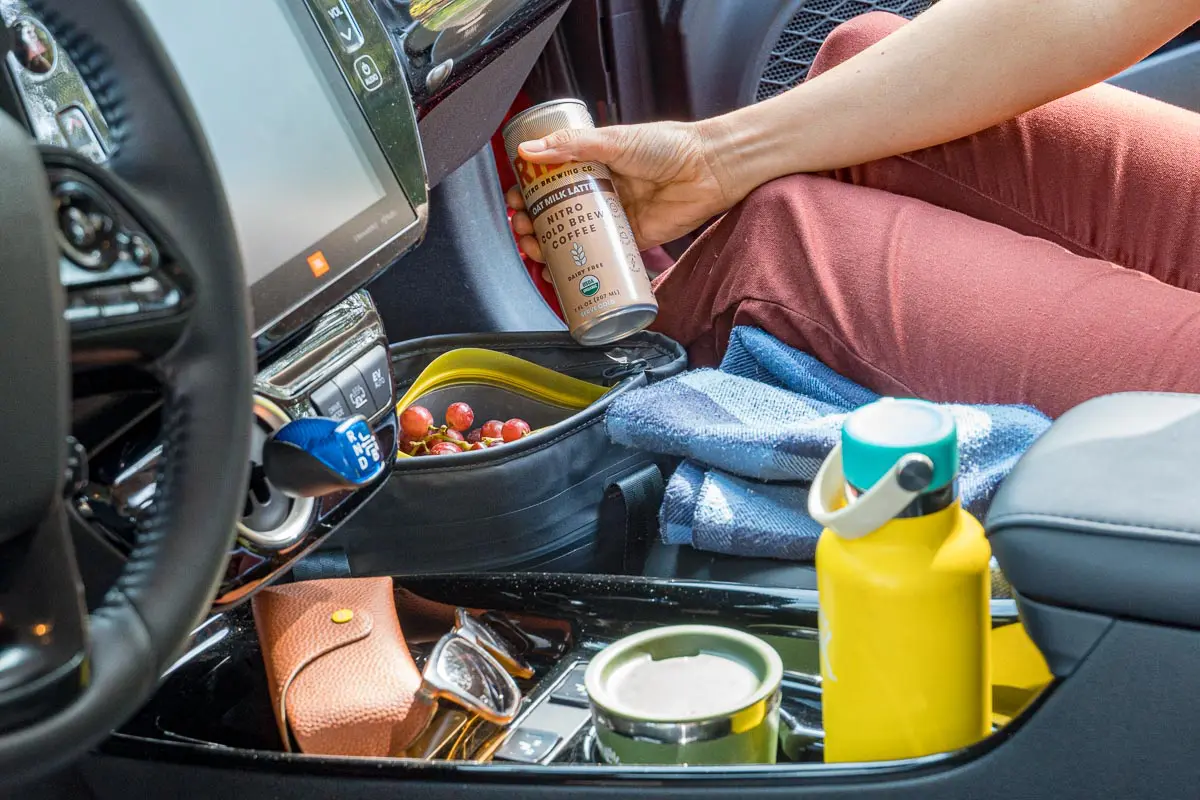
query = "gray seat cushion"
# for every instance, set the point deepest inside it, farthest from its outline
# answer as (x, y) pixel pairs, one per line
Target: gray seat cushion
(1103, 513)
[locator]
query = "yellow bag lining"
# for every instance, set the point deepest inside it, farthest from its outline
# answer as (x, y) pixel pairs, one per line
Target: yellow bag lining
(478, 367)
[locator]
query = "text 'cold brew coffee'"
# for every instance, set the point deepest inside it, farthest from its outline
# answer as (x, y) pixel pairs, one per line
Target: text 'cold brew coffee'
(581, 226)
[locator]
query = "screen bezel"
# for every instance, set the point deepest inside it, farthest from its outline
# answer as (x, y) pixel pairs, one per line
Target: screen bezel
(286, 299)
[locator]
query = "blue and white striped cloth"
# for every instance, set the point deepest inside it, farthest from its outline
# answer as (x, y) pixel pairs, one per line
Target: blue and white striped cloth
(754, 433)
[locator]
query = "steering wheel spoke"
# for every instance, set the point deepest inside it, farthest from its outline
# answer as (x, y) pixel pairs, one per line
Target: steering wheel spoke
(42, 624)
(128, 293)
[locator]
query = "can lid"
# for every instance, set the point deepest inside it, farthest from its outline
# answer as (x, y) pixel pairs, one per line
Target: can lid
(542, 120)
(876, 436)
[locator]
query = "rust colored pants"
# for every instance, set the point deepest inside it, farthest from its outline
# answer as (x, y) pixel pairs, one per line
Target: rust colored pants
(1048, 260)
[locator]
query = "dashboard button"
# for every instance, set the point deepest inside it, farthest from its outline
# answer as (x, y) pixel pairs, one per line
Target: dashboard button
(152, 294)
(80, 133)
(81, 307)
(527, 746)
(81, 230)
(141, 251)
(354, 388)
(150, 289)
(34, 47)
(119, 309)
(368, 73)
(572, 691)
(345, 26)
(329, 401)
(85, 226)
(375, 368)
(114, 301)
(125, 309)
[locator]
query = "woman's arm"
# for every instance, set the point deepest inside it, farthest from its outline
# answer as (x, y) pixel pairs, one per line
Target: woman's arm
(957, 69)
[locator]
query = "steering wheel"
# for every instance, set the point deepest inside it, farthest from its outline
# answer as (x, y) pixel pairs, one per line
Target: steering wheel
(67, 678)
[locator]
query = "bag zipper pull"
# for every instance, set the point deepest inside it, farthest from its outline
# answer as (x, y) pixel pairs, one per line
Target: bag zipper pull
(621, 371)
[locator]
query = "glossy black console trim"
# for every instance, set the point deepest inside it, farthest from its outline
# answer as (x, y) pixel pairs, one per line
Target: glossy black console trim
(250, 568)
(614, 605)
(444, 44)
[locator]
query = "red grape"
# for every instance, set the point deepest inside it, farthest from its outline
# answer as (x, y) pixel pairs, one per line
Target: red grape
(409, 446)
(454, 435)
(444, 449)
(491, 429)
(475, 436)
(514, 429)
(478, 446)
(459, 416)
(416, 421)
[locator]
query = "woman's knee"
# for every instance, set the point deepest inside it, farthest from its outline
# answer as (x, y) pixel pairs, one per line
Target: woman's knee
(852, 37)
(787, 195)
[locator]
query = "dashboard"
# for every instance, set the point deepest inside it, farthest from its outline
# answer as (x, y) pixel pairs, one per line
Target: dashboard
(303, 105)
(311, 110)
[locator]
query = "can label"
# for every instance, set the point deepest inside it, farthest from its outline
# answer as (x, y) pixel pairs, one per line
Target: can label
(585, 237)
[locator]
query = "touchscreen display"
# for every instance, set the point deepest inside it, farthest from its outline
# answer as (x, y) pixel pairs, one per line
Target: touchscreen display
(295, 156)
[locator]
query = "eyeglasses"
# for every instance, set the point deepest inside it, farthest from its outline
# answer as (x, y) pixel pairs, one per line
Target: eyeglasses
(484, 635)
(470, 666)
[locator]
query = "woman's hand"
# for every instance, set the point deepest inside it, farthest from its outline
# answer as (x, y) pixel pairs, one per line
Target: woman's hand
(667, 174)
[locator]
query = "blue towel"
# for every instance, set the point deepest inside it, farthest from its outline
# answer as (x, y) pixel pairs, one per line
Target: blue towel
(754, 433)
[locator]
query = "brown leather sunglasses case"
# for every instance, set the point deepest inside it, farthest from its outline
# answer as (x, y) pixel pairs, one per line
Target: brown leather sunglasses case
(341, 677)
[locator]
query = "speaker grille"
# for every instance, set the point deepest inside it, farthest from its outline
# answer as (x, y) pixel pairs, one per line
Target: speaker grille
(793, 54)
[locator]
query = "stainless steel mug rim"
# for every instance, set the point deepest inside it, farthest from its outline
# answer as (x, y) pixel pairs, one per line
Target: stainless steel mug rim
(682, 732)
(770, 679)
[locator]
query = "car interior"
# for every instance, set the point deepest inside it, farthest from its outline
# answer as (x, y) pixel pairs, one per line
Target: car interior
(221, 219)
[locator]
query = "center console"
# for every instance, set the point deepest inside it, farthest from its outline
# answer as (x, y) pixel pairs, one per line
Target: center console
(214, 707)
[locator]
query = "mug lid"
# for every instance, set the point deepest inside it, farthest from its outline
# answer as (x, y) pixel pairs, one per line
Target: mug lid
(634, 678)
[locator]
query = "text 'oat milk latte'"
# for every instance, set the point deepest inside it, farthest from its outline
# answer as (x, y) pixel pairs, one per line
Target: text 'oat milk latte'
(577, 217)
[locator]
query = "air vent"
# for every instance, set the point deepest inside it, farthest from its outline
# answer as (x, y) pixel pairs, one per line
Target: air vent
(793, 53)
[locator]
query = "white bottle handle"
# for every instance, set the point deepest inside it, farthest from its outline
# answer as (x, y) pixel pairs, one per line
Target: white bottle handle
(871, 510)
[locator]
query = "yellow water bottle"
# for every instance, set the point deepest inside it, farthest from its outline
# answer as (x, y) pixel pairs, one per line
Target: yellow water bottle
(904, 585)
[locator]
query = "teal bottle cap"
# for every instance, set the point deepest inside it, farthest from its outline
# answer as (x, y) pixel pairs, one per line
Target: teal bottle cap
(876, 436)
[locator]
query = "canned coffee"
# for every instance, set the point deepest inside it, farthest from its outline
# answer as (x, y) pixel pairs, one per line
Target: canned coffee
(584, 234)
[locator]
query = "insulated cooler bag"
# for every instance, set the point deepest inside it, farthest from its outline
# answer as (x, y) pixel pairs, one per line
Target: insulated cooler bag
(563, 499)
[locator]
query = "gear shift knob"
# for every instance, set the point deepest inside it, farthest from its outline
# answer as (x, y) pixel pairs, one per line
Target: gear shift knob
(316, 456)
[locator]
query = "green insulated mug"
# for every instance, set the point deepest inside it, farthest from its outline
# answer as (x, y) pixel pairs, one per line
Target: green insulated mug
(690, 694)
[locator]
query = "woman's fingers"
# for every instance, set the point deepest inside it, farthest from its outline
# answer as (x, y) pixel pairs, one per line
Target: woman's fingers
(522, 224)
(514, 199)
(575, 144)
(530, 247)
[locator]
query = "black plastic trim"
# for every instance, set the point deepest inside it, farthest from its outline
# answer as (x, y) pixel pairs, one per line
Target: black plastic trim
(1064, 636)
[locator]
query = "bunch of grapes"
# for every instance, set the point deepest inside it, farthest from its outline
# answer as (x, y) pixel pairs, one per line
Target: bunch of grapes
(420, 437)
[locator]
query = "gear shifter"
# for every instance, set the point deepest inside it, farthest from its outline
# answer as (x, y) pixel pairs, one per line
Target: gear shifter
(316, 456)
